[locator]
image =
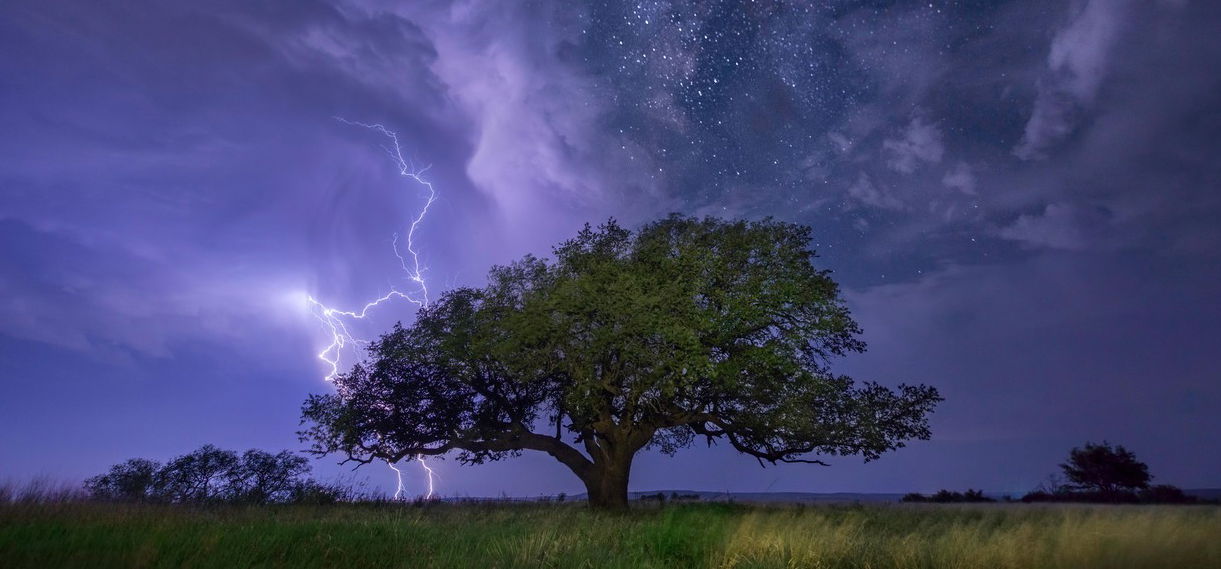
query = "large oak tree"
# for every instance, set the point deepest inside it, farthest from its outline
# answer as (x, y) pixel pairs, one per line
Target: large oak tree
(684, 329)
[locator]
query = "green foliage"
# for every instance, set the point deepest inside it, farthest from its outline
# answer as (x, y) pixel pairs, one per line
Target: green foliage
(689, 536)
(626, 340)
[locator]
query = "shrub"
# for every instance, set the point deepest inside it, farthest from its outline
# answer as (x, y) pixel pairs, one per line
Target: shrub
(948, 497)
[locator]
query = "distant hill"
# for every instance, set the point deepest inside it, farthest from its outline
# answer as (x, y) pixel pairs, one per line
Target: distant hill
(708, 496)
(769, 497)
(843, 497)
(1204, 493)
(789, 497)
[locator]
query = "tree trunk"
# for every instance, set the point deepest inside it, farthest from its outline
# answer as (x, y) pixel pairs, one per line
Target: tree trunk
(606, 484)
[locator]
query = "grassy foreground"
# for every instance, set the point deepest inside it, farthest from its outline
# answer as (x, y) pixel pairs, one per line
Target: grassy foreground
(699, 535)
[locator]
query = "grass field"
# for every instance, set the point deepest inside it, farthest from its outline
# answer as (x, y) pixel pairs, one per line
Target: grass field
(91, 535)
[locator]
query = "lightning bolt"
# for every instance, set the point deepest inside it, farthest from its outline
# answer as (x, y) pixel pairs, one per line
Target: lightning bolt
(335, 322)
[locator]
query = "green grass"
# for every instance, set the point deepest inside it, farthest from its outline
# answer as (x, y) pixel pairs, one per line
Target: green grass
(78, 534)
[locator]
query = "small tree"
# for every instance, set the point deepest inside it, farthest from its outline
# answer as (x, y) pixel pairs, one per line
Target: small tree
(134, 480)
(210, 474)
(207, 474)
(263, 477)
(1106, 469)
(627, 340)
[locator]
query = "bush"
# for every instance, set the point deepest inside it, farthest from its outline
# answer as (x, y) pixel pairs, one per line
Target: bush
(948, 497)
(321, 493)
(1166, 494)
(660, 497)
(1160, 494)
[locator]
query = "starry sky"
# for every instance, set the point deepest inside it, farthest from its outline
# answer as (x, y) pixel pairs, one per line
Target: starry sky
(1020, 198)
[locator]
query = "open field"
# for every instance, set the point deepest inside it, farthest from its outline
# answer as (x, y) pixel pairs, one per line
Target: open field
(696, 535)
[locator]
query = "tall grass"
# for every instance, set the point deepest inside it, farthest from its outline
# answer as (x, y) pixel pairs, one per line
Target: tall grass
(84, 534)
(40, 490)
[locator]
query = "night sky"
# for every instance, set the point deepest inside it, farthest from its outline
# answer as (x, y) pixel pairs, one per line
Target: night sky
(1021, 200)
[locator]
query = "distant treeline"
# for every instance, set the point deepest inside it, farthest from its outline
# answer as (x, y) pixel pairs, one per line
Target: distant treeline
(1101, 473)
(662, 497)
(213, 475)
(948, 497)
(1160, 494)
(1095, 473)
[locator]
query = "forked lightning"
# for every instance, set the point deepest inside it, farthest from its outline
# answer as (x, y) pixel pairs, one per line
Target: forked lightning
(335, 321)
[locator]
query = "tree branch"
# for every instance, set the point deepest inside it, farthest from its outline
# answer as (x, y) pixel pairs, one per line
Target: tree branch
(517, 437)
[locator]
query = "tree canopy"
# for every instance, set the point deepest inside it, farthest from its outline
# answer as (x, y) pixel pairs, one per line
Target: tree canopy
(626, 340)
(208, 474)
(1103, 468)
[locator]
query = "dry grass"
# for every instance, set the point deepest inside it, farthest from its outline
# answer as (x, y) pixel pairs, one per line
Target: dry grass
(81, 534)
